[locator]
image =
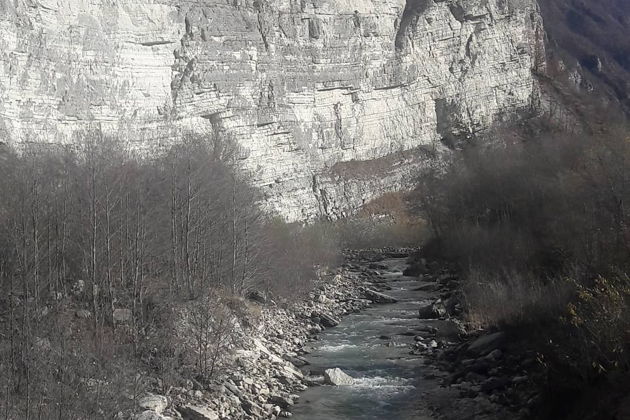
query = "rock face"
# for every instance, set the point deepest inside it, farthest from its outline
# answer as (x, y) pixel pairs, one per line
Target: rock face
(309, 90)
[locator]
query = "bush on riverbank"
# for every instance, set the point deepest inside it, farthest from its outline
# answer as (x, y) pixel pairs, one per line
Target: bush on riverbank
(539, 229)
(387, 221)
(105, 253)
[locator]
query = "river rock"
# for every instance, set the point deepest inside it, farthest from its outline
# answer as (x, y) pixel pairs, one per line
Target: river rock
(296, 360)
(196, 412)
(439, 308)
(431, 311)
(337, 377)
(378, 297)
(252, 408)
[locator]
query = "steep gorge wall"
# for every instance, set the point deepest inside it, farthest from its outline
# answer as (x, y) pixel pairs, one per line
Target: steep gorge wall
(299, 85)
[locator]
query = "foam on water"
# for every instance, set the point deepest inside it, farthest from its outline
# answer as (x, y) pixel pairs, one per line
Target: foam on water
(337, 347)
(383, 382)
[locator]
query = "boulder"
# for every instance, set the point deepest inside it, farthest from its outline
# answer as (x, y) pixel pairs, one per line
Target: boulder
(196, 412)
(328, 321)
(427, 311)
(378, 297)
(252, 408)
(337, 377)
(153, 402)
(280, 401)
(439, 308)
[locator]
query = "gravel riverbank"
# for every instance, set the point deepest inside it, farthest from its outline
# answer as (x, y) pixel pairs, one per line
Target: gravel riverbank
(263, 378)
(470, 376)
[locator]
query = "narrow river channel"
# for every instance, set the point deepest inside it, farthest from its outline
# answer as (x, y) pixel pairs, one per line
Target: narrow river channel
(373, 347)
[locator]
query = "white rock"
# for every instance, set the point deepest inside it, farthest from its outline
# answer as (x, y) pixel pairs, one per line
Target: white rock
(337, 377)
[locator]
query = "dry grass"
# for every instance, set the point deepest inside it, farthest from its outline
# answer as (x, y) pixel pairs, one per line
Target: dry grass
(513, 299)
(384, 221)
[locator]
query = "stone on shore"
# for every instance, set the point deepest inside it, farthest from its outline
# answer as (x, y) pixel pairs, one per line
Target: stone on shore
(378, 297)
(196, 412)
(328, 321)
(428, 311)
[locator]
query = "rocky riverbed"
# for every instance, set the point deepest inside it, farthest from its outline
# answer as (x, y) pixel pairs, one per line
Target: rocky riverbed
(434, 369)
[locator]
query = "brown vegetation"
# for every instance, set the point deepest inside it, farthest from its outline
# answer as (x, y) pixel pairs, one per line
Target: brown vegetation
(387, 221)
(539, 229)
(111, 264)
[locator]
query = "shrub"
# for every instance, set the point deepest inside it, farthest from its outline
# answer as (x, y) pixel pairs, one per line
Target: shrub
(98, 230)
(539, 229)
(513, 298)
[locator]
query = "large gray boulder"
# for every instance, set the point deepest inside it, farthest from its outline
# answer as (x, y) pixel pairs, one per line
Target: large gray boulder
(337, 377)
(328, 321)
(378, 297)
(282, 401)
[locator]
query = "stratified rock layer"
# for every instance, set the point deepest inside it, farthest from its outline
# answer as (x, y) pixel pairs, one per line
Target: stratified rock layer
(299, 85)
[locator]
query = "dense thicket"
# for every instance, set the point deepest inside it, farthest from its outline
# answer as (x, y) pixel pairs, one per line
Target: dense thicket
(103, 251)
(540, 230)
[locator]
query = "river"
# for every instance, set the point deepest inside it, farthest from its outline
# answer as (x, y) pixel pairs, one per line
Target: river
(373, 347)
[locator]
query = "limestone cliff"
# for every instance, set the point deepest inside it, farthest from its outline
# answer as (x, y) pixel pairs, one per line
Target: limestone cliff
(302, 86)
